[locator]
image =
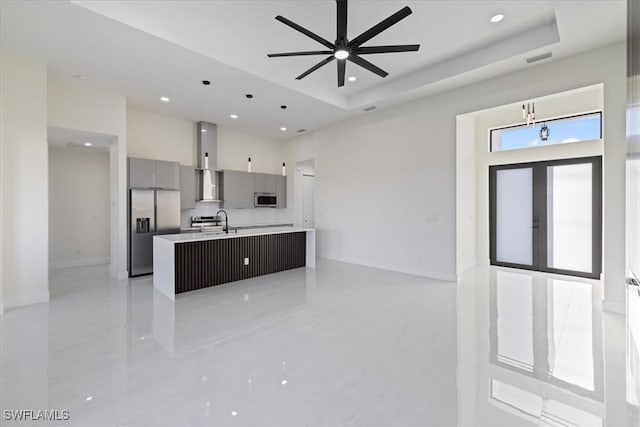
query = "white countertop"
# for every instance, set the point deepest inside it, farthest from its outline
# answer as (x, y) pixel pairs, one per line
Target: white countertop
(193, 237)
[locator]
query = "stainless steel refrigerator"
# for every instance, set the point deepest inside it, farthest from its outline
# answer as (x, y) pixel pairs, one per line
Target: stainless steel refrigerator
(151, 212)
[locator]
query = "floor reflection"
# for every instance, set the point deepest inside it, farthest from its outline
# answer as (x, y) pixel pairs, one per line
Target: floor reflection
(547, 328)
(534, 352)
(204, 318)
(633, 355)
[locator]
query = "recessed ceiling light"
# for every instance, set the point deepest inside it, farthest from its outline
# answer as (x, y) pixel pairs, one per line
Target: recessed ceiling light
(341, 54)
(88, 144)
(234, 116)
(284, 382)
(206, 82)
(249, 96)
(284, 107)
(89, 398)
(164, 99)
(283, 129)
(234, 413)
(352, 78)
(497, 18)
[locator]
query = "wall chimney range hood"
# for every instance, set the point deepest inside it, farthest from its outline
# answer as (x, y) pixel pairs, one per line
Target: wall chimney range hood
(207, 161)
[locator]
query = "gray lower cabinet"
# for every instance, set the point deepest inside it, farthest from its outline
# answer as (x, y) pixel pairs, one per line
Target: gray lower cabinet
(167, 175)
(147, 173)
(187, 187)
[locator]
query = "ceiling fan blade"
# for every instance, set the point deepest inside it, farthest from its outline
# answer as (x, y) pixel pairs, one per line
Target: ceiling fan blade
(381, 26)
(305, 32)
(342, 64)
(387, 49)
(312, 52)
(341, 25)
(368, 65)
(315, 67)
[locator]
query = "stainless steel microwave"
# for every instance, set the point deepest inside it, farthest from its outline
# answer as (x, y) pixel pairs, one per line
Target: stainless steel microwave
(265, 200)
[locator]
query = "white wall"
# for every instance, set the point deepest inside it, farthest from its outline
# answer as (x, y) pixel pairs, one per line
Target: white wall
(466, 209)
(235, 147)
(385, 182)
(78, 207)
(23, 181)
(159, 137)
(156, 136)
(77, 104)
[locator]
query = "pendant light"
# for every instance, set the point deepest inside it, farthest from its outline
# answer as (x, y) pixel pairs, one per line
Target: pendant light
(544, 132)
(529, 113)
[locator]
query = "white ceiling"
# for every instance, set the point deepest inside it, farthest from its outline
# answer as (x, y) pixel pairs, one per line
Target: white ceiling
(148, 49)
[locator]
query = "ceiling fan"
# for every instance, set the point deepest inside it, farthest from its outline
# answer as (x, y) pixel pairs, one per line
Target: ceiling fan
(349, 50)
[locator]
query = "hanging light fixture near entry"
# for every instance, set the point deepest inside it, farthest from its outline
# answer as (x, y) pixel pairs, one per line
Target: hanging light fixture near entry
(529, 113)
(284, 171)
(249, 164)
(544, 132)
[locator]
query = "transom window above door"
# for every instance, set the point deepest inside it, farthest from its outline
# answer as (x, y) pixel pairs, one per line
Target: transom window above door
(563, 130)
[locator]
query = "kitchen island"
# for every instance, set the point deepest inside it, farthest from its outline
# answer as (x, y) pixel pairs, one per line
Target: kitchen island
(190, 261)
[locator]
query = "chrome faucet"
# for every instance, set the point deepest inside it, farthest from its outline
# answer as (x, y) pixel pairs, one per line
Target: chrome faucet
(226, 220)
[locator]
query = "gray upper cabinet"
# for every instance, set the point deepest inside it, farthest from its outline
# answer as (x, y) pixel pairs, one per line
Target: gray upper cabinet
(141, 172)
(264, 183)
(167, 175)
(187, 187)
(236, 189)
(281, 190)
(147, 173)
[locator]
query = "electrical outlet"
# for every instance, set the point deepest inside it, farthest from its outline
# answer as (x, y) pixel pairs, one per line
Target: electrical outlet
(246, 261)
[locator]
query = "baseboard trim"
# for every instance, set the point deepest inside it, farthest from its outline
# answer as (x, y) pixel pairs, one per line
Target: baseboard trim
(118, 274)
(447, 277)
(23, 300)
(613, 306)
(79, 262)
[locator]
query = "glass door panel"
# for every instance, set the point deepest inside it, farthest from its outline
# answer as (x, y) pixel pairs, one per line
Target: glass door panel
(569, 217)
(514, 207)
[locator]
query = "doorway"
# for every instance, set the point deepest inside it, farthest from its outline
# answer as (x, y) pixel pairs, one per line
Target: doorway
(547, 216)
(305, 193)
(308, 200)
(80, 184)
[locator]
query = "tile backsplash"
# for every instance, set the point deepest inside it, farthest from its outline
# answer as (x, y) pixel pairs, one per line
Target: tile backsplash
(238, 217)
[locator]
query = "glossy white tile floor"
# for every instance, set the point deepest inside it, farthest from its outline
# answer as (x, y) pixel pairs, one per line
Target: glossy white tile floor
(341, 344)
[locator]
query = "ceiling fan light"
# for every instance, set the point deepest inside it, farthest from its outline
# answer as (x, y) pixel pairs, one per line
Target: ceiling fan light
(341, 54)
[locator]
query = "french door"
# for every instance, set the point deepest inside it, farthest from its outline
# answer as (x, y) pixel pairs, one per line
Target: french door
(547, 216)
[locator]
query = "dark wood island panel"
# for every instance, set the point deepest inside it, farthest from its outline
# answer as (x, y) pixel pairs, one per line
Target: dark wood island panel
(205, 263)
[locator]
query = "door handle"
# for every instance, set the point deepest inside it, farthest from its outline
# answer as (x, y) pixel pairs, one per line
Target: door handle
(535, 222)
